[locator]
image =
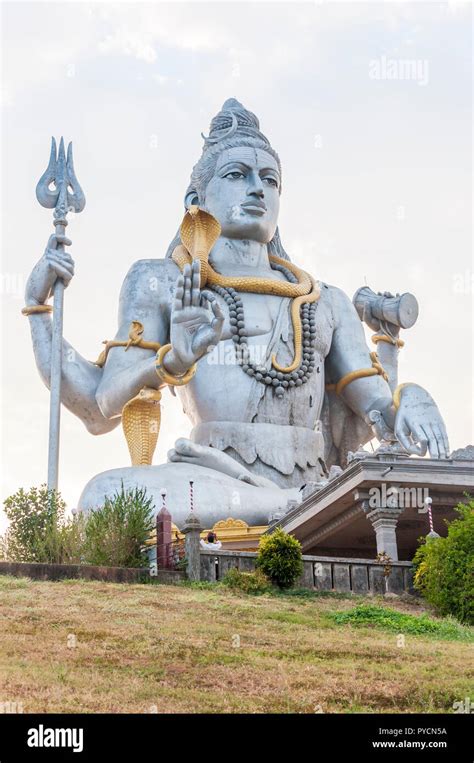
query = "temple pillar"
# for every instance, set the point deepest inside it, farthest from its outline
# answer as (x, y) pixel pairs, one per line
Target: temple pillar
(192, 531)
(163, 539)
(384, 521)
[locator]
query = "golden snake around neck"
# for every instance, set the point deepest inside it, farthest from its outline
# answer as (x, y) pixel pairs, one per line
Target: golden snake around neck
(199, 232)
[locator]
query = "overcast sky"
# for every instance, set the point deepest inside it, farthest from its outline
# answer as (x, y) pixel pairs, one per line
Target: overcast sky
(376, 159)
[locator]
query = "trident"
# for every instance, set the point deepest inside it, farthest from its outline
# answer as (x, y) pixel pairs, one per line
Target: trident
(64, 197)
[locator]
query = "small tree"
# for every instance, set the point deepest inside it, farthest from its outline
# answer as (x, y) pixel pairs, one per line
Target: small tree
(36, 520)
(444, 567)
(280, 558)
(115, 533)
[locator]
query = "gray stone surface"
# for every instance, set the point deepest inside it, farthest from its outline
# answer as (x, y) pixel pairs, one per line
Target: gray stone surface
(359, 578)
(376, 580)
(384, 521)
(463, 454)
(208, 568)
(395, 582)
(226, 564)
(39, 571)
(306, 580)
(322, 576)
(320, 573)
(246, 565)
(341, 577)
(408, 580)
(192, 530)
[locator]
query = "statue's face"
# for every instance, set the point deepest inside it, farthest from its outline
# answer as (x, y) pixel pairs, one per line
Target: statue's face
(244, 194)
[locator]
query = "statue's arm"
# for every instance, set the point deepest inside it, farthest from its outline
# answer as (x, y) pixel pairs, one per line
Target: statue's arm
(349, 352)
(80, 378)
(144, 297)
(417, 423)
(173, 310)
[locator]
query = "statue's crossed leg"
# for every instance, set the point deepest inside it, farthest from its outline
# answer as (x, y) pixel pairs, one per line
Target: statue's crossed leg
(222, 487)
(187, 451)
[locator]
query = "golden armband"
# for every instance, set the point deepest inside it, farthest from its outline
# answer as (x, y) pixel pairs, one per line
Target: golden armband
(167, 378)
(384, 338)
(36, 309)
(361, 373)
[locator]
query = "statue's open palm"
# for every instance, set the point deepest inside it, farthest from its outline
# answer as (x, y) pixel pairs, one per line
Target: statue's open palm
(196, 321)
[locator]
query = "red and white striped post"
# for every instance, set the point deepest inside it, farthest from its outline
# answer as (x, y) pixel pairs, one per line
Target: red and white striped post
(432, 534)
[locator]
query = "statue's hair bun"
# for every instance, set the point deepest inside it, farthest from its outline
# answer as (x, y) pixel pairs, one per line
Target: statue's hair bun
(233, 118)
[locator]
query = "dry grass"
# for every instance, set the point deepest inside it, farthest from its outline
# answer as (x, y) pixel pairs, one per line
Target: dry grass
(168, 649)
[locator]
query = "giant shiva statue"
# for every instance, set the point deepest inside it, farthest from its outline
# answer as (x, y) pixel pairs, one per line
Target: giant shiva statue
(271, 365)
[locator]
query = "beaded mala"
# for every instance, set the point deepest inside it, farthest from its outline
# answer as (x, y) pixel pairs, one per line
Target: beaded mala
(280, 381)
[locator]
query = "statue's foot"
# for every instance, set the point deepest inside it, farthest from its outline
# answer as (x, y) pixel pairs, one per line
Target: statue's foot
(191, 452)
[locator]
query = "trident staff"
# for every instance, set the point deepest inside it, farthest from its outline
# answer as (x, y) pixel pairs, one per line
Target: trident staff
(65, 196)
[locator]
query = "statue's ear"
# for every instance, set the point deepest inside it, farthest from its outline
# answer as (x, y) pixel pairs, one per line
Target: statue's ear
(191, 198)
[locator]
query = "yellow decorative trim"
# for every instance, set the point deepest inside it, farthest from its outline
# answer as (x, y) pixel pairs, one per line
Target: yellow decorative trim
(34, 309)
(233, 533)
(199, 232)
(397, 392)
(384, 338)
(237, 534)
(166, 378)
(230, 524)
(141, 419)
(376, 370)
(134, 340)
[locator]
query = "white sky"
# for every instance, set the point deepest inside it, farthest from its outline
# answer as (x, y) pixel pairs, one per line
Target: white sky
(376, 173)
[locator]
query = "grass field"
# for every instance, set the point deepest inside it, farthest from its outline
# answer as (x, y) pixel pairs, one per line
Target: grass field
(77, 646)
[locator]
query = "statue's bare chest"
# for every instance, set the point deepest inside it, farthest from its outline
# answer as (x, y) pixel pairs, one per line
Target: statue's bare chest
(222, 390)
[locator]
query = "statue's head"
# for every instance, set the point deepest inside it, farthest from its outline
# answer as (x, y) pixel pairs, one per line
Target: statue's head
(238, 177)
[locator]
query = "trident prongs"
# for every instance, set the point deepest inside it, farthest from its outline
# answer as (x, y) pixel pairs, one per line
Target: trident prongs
(67, 195)
(64, 196)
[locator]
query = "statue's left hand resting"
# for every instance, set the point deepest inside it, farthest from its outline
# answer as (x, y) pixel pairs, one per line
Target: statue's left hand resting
(419, 425)
(194, 328)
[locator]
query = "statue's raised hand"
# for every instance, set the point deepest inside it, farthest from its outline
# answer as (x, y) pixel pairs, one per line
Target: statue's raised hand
(55, 263)
(196, 321)
(419, 425)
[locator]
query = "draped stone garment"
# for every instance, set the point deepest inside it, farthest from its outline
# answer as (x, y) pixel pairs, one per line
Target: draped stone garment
(289, 456)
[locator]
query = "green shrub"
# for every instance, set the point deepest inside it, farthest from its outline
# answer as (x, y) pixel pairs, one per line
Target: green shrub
(399, 622)
(38, 531)
(4, 547)
(444, 567)
(115, 533)
(248, 582)
(279, 558)
(63, 543)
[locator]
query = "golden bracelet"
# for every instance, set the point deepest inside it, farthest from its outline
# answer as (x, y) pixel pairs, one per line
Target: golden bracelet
(384, 338)
(173, 381)
(34, 309)
(361, 373)
(397, 392)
